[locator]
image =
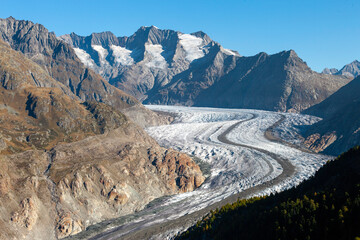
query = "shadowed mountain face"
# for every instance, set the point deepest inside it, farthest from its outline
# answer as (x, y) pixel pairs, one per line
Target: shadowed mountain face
(66, 164)
(167, 67)
(340, 128)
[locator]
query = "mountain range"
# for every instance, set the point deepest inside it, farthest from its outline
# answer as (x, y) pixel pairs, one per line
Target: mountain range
(169, 67)
(62, 64)
(73, 149)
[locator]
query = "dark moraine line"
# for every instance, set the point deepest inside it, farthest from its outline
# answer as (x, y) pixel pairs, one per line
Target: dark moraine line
(137, 231)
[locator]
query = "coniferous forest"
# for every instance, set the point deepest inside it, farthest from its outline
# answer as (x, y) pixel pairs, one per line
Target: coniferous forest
(327, 206)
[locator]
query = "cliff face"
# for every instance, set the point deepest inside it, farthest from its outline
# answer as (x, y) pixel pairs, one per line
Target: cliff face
(54, 194)
(66, 164)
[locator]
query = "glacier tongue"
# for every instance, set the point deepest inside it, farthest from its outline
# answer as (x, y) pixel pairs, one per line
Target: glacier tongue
(245, 163)
(234, 168)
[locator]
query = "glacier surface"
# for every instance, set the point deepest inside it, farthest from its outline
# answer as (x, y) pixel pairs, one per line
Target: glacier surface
(235, 168)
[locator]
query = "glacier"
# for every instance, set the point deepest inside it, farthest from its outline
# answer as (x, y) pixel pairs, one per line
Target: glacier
(244, 162)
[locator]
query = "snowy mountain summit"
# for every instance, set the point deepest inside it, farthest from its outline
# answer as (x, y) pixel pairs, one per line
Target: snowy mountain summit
(169, 67)
(148, 59)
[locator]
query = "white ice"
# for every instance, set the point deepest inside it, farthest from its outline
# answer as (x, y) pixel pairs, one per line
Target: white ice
(228, 52)
(102, 53)
(153, 54)
(84, 57)
(196, 130)
(233, 168)
(192, 45)
(122, 55)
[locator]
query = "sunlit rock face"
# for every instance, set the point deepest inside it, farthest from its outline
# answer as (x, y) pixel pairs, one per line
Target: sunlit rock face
(66, 164)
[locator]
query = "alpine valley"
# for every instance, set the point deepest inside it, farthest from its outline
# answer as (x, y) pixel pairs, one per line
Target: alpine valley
(81, 156)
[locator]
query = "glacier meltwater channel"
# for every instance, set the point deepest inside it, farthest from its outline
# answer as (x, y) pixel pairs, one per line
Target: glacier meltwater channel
(244, 161)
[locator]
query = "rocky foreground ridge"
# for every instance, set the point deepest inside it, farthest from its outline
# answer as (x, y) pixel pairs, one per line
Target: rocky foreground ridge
(66, 163)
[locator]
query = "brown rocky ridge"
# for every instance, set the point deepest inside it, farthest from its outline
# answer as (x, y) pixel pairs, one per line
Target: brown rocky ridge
(66, 164)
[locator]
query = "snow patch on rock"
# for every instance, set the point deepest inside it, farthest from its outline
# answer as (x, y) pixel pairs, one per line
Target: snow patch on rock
(122, 55)
(84, 57)
(229, 52)
(102, 53)
(154, 57)
(193, 46)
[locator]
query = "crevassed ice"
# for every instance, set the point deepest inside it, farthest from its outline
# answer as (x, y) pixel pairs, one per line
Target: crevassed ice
(122, 55)
(102, 53)
(84, 57)
(153, 52)
(193, 46)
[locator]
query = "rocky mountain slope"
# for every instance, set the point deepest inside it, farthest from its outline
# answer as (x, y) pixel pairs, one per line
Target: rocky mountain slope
(66, 164)
(168, 67)
(280, 82)
(351, 70)
(60, 61)
(340, 128)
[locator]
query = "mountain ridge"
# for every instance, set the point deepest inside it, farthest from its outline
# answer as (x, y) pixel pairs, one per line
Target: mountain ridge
(61, 62)
(169, 67)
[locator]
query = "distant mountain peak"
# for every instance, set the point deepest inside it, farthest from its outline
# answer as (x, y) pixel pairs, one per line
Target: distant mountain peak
(330, 71)
(292, 53)
(350, 70)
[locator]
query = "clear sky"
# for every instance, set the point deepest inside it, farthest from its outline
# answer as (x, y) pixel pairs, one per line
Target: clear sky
(324, 33)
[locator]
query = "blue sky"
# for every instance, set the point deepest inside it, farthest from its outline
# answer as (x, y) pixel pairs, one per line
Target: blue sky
(323, 33)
